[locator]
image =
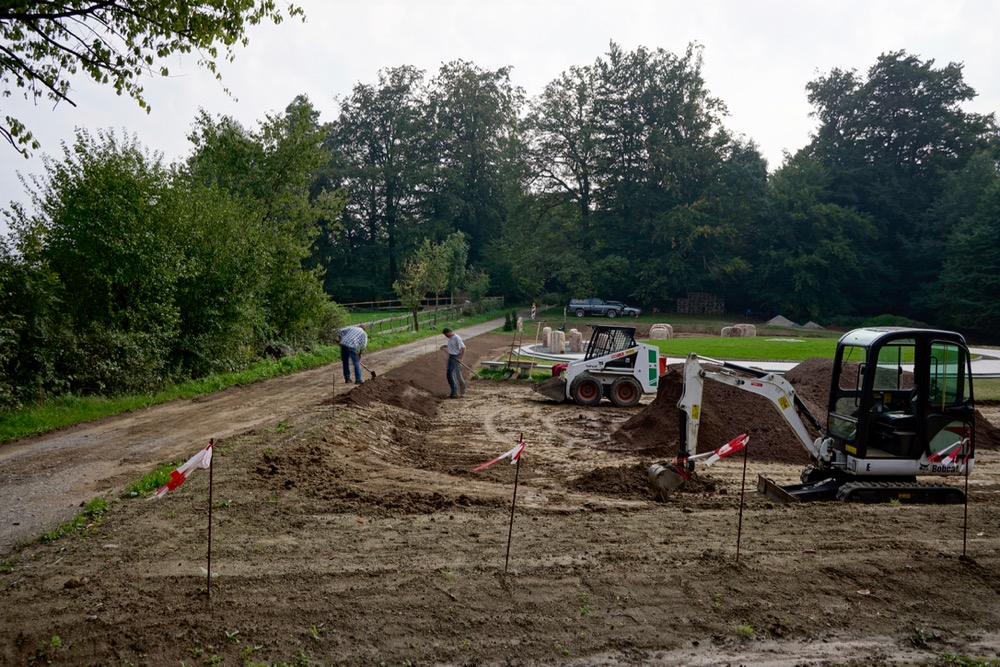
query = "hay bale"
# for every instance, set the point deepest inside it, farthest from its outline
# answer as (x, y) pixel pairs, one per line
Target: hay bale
(740, 331)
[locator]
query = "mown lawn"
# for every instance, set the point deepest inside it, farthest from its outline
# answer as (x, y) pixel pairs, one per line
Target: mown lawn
(763, 349)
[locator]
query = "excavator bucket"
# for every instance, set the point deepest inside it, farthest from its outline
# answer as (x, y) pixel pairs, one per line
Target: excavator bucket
(554, 388)
(666, 477)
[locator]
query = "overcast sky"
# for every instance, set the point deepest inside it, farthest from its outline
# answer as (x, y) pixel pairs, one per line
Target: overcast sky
(758, 57)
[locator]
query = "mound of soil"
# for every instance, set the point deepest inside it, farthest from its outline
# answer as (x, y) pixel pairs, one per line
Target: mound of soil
(728, 412)
(619, 481)
(399, 393)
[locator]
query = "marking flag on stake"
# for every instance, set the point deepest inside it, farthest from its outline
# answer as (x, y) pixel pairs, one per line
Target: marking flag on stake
(514, 455)
(731, 447)
(202, 459)
(948, 455)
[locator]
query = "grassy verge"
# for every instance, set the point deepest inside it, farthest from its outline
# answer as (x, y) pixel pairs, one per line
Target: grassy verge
(91, 514)
(65, 411)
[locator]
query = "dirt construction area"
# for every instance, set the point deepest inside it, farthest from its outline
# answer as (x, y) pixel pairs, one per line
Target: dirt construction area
(348, 528)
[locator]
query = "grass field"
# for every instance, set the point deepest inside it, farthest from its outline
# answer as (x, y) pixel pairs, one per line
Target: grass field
(766, 349)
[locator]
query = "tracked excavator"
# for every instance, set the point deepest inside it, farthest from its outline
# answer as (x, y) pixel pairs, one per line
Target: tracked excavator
(900, 408)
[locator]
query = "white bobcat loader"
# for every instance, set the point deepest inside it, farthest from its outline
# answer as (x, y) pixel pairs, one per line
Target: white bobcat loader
(614, 366)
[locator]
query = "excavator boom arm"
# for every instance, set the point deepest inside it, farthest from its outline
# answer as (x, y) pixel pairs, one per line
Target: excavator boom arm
(773, 387)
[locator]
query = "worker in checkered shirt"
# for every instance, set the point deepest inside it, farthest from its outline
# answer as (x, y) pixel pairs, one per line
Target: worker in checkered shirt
(353, 341)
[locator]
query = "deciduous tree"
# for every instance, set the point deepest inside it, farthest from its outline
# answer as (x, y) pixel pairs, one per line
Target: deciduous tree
(114, 42)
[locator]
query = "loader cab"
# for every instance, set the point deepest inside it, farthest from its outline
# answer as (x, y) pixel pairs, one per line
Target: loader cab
(900, 393)
(606, 340)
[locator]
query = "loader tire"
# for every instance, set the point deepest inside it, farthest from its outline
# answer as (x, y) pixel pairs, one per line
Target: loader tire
(586, 390)
(625, 392)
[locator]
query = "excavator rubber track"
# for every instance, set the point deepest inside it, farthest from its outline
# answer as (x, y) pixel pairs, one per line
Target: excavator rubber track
(923, 493)
(927, 493)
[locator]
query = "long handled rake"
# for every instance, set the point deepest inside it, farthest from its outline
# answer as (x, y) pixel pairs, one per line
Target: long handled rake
(517, 340)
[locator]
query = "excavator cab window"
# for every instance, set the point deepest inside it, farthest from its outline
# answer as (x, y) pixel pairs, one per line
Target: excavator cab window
(846, 401)
(949, 401)
(893, 385)
(869, 412)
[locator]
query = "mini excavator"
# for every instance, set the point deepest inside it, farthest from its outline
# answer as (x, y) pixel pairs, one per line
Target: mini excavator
(900, 407)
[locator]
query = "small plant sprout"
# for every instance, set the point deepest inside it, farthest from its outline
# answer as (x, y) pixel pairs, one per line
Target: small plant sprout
(744, 631)
(248, 651)
(233, 636)
(584, 598)
(447, 575)
(317, 632)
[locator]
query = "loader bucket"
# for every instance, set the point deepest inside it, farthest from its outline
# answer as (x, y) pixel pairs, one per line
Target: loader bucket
(666, 477)
(554, 388)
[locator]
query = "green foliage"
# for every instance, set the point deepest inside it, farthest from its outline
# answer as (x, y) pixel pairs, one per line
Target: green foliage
(218, 291)
(890, 140)
(473, 113)
(151, 482)
(92, 512)
(621, 181)
(412, 286)
(380, 140)
(45, 44)
(48, 653)
(105, 261)
(814, 257)
(967, 293)
(67, 410)
(270, 172)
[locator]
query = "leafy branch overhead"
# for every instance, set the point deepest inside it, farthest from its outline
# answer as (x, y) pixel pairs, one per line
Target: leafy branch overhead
(115, 42)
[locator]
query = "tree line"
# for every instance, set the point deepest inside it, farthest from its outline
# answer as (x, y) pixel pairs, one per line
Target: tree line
(619, 179)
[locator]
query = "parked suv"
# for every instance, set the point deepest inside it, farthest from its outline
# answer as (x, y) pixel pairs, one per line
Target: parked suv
(600, 307)
(628, 311)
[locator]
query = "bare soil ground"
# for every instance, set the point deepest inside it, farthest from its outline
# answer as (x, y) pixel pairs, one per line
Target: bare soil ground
(349, 528)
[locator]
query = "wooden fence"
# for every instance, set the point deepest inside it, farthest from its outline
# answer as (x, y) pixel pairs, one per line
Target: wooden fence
(430, 314)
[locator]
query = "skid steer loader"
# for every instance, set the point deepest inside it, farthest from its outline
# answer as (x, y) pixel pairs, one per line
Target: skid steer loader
(614, 366)
(900, 407)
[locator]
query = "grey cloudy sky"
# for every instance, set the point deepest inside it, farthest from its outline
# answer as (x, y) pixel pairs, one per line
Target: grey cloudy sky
(758, 57)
